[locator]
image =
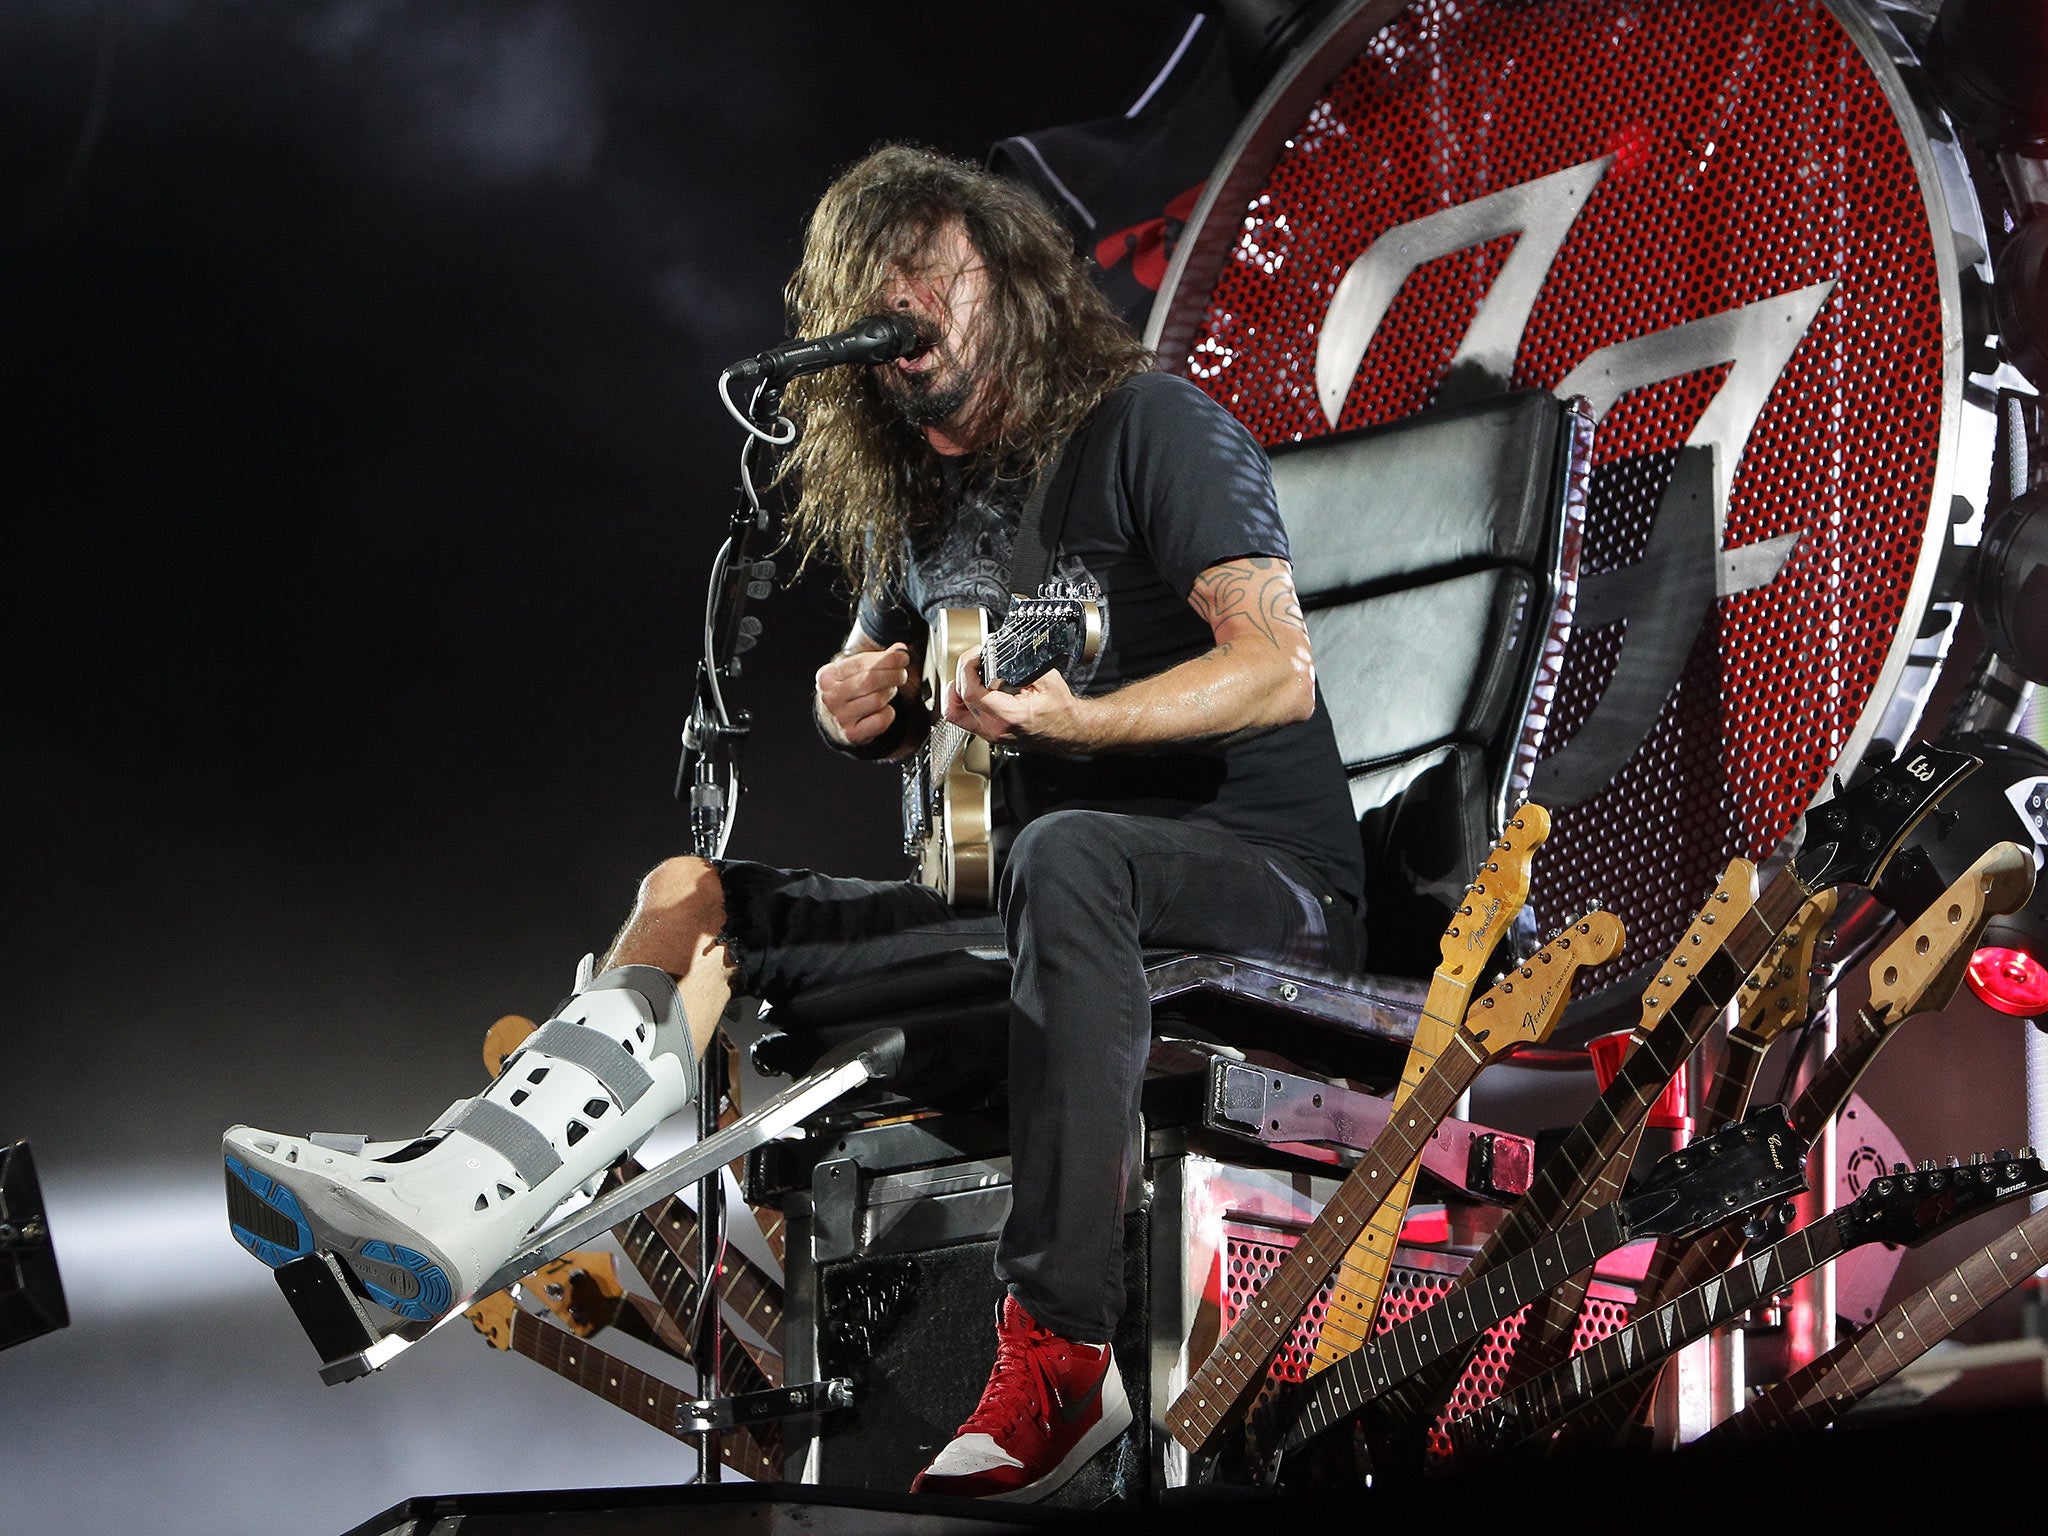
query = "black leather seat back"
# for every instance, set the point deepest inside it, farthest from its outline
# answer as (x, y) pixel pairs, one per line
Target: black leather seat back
(1434, 557)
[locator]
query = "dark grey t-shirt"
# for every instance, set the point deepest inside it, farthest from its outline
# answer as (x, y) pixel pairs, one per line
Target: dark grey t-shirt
(1170, 485)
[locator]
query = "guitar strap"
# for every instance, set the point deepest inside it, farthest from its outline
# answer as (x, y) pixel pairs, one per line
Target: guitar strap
(1045, 513)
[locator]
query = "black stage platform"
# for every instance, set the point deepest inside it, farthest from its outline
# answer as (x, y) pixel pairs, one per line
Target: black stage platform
(1944, 1473)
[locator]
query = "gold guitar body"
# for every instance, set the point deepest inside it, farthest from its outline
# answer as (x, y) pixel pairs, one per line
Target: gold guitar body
(956, 858)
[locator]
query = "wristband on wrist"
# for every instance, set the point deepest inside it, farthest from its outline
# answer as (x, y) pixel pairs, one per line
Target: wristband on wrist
(908, 718)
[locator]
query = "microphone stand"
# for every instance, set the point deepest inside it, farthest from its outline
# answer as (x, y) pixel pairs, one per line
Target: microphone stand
(715, 736)
(708, 781)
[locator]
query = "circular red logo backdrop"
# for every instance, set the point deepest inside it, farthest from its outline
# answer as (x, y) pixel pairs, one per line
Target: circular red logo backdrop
(1705, 215)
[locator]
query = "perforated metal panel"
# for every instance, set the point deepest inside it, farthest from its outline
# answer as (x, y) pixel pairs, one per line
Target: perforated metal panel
(1250, 1258)
(1745, 257)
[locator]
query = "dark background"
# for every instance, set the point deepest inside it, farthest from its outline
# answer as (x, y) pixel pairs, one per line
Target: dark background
(360, 468)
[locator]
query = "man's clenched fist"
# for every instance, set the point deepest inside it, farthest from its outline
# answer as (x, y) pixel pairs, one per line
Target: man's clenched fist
(860, 691)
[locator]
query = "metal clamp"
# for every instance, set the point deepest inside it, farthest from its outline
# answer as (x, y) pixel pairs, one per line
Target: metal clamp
(1264, 1105)
(709, 1415)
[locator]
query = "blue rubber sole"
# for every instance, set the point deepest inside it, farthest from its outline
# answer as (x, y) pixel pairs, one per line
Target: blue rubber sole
(266, 1218)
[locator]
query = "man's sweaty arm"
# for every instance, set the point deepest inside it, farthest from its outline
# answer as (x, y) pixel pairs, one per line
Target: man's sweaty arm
(861, 692)
(1259, 675)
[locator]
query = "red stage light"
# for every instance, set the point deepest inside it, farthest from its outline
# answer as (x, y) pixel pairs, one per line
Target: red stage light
(2010, 980)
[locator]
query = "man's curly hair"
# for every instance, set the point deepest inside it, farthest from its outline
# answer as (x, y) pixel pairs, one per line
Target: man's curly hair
(1051, 348)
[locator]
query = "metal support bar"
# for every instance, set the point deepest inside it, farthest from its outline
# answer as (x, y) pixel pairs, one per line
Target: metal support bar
(1271, 1106)
(705, 1347)
(324, 1293)
(708, 1416)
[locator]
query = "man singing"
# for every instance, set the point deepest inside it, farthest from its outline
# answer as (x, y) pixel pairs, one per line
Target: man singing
(1182, 789)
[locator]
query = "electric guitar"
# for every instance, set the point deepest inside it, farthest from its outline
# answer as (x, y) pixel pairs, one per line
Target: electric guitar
(1905, 1207)
(1490, 909)
(1849, 840)
(1521, 1009)
(583, 1291)
(949, 782)
(1757, 1161)
(1821, 1392)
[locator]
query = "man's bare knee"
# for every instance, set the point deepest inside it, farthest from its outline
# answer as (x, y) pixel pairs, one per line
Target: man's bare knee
(683, 888)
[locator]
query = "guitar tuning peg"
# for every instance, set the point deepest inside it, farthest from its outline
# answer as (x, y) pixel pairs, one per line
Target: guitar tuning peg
(2026, 1154)
(1978, 1159)
(1955, 1162)
(2005, 1156)
(1900, 1168)
(1925, 1165)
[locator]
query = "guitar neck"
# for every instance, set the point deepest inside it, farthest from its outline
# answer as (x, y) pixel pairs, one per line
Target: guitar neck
(1444, 1330)
(1553, 1321)
(1362, 1276)
(1237, 1366)
(1621, 1110)
(1827, 1094)
(1822, 1391)
(661, 1245)
(1657, 1332)
(754, 1452)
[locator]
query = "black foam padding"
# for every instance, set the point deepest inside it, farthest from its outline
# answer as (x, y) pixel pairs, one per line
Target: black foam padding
(1385, 507)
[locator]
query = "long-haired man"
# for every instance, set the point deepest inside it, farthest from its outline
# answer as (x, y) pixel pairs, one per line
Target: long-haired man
(1182, 788)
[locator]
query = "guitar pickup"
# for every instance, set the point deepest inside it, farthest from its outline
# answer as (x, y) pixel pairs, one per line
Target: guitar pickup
(1279, 1107)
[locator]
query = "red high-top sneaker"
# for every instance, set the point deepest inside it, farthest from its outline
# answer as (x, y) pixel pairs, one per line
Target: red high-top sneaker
(1049, 1405)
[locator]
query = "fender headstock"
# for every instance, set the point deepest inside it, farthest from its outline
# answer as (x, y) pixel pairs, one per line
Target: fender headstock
(493, 1316)
(1716, 919)
(1496, 896)
(1524, 1006)
(581, 1289)
(1778, 993)
(1921, 969)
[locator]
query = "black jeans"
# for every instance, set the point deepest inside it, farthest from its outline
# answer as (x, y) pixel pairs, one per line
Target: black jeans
(1083, 894)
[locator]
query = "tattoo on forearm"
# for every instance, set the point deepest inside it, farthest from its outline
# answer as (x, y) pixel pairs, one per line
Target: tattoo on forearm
(1259, 589)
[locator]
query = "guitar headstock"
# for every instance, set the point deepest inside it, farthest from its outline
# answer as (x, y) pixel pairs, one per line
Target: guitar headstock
(493, 1316)
(1757, 1159)
(1496, 895)
(1851, 838)
(1921, 969)
(1778, 992)
(1909, 1205)
(503, 1038)
(1040, 635)
(581, 1289)
(1525, 1005)
(1733, 896)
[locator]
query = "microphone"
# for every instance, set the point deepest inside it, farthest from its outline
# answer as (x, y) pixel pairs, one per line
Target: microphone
(877, 339)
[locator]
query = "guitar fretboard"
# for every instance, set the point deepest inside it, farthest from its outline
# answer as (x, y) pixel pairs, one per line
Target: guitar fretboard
(1236, 1367)
(1443, 1331)
(754, 1451)
(1655, 1334)
(661, 1245)
(1821, 1392)
(1569, 1173)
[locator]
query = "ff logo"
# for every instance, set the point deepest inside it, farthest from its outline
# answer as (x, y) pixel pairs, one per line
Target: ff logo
(1669, 593)
(1714, 220)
